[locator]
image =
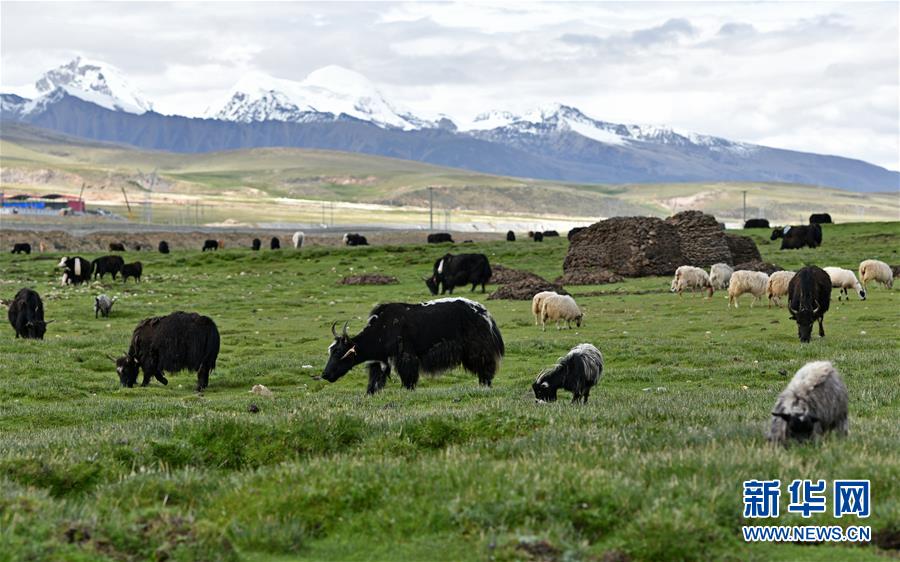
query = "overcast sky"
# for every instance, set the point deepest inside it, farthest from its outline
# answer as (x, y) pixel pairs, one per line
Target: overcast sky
(808, 76)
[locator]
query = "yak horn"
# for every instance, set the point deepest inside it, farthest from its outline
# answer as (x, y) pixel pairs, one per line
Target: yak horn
(110, 356)
(816, 309)
(334, 333)
(344, 331)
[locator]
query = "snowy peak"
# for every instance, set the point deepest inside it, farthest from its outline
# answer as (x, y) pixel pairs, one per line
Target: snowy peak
(326, 94)
(559, 118)
(95, 82)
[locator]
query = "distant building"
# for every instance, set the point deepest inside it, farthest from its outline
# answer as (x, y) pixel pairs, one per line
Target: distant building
(52, 203)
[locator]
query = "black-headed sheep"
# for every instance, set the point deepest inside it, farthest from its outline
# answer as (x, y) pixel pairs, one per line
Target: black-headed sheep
(845, 279)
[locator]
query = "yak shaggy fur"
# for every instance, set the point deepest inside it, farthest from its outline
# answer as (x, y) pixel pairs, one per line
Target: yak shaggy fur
(181, 340)
(814, 403)
(578, 371)
(430, 337)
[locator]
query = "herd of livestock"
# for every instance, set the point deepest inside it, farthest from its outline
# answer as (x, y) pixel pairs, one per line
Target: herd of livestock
(446, 333)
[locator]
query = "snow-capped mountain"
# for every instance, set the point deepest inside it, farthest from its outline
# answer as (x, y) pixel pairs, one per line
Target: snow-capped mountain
(558, 118)
(338, 109)
(95, 82)
(325, 95)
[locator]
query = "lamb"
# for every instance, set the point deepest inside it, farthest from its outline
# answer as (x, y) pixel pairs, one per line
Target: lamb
(688, 277)
(577, 372)
(720, 275)
(813, 403)
(536, 302)
(560, 307)
(778, 286)
(102, 305)
(753, 282)
(844, 279)
(876, 270)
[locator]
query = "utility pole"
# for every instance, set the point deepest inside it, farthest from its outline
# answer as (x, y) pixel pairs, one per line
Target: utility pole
(745, 205)
(430, 208)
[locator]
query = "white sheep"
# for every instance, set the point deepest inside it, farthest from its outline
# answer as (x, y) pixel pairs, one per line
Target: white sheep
(560, 307)
(876, 270)
(813, 403)
(753, 282)
(536, 302)
(778, 286)
(844, 279)
(720, 275)
(297, 239)
(688, 277)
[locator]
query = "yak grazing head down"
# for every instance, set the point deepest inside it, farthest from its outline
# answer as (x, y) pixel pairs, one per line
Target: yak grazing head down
(127, 368)
(799, 426)
(805, 318)
(432, 284)
(342, 355)
(36, 329)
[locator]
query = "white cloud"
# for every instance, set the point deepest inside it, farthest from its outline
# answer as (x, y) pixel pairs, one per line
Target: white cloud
(807, 76)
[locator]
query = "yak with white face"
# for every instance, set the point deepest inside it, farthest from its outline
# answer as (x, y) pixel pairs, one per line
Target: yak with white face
(430, 337)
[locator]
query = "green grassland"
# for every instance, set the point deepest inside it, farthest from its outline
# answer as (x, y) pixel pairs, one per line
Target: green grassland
(252, 185)
(650, 469)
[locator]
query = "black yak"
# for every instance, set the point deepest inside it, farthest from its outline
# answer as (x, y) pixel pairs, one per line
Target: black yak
(430, 337)
(26, 315)
(510, 236)
(107, 264)
(210, 245)
(21, 248)
(181, 340)
(538, 236)
(452, 271)
(809, 296)
(351, 239)
(578, 371)
(820, 218)
(550, 234)
(116, 247)
(275, 243)
(76, 270)
(255, 246)
(439, 238)
(163, 247)
(132, 270)
(757, 223)
(795, 237)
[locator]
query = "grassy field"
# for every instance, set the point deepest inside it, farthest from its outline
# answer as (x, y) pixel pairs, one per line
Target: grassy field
(289, 185)
(650, 469)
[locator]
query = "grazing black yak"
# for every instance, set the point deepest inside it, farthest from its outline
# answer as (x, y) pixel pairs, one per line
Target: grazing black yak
(430, 337)
(452, 271)
(181, 340)
(26, 315)
(809, 296)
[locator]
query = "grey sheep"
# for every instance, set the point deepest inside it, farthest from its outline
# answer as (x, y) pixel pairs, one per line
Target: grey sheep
(102, 305)
(814, 403)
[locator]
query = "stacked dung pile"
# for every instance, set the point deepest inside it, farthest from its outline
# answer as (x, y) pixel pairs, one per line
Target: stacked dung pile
(525, 289)
(758, 265)
(369, 279)
(502, 275)
(595, 276)
(629, 246)
(743, 248)
(643, 246)
(701, 239)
